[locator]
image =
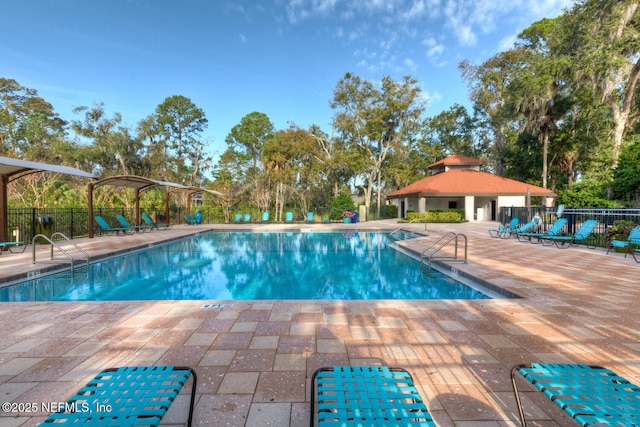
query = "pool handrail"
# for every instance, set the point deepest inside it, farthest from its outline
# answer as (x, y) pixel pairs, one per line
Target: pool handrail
(61, 249)
(403, 225)
(444, 241)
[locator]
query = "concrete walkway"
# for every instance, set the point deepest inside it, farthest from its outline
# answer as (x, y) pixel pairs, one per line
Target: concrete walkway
(255, 359)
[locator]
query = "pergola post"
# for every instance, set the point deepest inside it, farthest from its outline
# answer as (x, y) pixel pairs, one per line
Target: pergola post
(137, 208)
(90, 208)
(166, 208)
(4, 213)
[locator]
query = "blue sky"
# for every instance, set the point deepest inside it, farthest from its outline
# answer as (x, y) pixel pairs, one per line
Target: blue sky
(279, 57)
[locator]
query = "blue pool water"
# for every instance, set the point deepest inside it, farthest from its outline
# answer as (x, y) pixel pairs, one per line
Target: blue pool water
(251, 266)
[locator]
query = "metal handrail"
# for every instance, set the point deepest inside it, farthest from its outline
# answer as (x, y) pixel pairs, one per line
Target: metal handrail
(444, 241)
(408, 223)
(50, 240)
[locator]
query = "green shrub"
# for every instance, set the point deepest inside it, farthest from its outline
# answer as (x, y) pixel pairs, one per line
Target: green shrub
(436, 215)
(341, 203)
(619, 231)
(586, 193)
(392, 211)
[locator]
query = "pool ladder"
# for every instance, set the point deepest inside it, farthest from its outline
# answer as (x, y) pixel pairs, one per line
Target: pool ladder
(60, 248)
(430, 252)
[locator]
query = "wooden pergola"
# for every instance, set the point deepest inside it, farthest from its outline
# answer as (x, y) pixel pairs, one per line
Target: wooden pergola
(141, 184)
(190, 191)
(12, 169)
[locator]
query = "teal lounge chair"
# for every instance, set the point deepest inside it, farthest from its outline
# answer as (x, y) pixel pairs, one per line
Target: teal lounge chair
(633, 254)
(554, 230)
(634, 239)
(9, 245)
(524, 228)
(506, 230)
(122, 220)
(247, 217)
(104, 225)
(190, 219)
(265, 216)
(580, 236)
(158, 225)
(590, 395)
(366, 396)
(238, 217)
(288, 217)
(126, 396)
(310, 217)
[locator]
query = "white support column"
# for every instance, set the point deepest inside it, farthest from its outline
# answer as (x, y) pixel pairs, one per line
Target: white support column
(422, 204)
(469, 207)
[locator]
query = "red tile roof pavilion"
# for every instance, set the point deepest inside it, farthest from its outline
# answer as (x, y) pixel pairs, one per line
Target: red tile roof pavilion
(465, 180)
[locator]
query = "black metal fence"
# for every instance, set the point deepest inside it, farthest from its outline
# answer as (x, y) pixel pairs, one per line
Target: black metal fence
(575, 217)
(25, 223)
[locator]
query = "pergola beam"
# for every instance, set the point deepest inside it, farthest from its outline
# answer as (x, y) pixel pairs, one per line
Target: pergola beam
(140, 184)
(12, 169)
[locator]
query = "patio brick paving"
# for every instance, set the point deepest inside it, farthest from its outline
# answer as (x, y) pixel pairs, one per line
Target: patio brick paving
(255, 359)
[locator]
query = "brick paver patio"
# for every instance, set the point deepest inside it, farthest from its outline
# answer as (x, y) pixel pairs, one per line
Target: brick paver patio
(255, 359)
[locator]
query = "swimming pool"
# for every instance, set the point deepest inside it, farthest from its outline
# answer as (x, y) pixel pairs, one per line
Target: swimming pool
(252, 266)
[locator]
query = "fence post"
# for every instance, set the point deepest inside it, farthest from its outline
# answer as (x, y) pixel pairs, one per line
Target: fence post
(71, 221)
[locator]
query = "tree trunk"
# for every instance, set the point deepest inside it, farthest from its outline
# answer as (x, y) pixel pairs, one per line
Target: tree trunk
(570, 174)
(368, 190)
(621, 108)
(379, 193)
(499, 145)
(620, 119)
(544, 135)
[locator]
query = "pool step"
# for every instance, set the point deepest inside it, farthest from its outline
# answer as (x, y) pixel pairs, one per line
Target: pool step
(81, 272)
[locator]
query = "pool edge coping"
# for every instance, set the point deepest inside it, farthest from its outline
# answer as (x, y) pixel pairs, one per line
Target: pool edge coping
(468, 279)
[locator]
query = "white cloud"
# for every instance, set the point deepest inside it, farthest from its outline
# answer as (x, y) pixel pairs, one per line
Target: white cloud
(231, 8)
(296, 12)
(458, 19)
(325, 5)
(417, 10)
(410, 65)
(466, 36)
(353, 35)
(431, 98)
(526, 12)
(300, 10)
(466, 18)
(425, 97)
(365, 53)
(463, 17)
(434, 48)
(381, 28)
(539, 9)
(507, 42)
(429, 42)
(388, 42)
(435, 51)
(387, 10)
(434, 8)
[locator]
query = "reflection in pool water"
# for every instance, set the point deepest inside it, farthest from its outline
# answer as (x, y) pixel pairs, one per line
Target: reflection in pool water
(251, 266)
